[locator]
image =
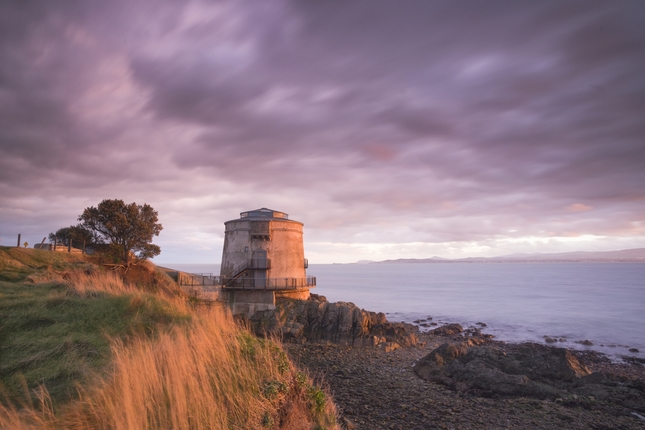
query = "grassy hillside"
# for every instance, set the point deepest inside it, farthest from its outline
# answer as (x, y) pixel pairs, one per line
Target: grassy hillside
(82, 347)
(18, 264)
(54, 333)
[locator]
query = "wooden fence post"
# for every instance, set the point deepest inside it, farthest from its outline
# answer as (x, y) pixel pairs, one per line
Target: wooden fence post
(69, 246)
(41, 243)
(18, 245)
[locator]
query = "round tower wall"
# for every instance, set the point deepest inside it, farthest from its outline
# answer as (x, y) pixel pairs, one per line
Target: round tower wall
(282, 240)
(237, 236)
(286, 250)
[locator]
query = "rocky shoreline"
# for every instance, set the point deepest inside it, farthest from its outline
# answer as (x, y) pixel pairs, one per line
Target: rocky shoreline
(386, 375)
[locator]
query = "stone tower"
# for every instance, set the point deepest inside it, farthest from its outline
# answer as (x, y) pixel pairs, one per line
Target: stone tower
(263, 258)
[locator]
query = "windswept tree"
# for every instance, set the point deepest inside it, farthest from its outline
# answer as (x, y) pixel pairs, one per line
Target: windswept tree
(77, 234)
(126, 228)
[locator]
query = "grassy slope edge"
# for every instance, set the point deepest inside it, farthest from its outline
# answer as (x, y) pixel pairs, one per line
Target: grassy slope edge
(115, 354)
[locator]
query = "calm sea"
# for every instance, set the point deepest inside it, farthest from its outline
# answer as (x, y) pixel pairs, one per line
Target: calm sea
(600, 302)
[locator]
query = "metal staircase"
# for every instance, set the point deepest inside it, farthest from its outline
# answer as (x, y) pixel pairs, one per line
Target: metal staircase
(237, 272)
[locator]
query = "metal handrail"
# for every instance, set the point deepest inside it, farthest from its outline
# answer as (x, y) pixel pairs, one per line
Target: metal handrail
(271, 283)
(197, 279)
(251, 263)
(207, 279)
(237, 270)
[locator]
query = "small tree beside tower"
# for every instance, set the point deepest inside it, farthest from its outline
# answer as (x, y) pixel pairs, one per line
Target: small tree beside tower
(128, 229)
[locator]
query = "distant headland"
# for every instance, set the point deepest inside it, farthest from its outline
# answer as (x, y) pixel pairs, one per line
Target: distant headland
(635, 255)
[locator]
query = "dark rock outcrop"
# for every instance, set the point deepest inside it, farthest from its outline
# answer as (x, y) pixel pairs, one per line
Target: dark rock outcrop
(447, 330)
(317, 319)
(527, 370)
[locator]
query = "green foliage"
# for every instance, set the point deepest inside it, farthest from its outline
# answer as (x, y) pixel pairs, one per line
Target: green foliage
(273, 388)
(77, 234)
(267, 420)
(283, 363)
(317, 399)
(318, 402)
(125, 227)
(194, 301)
(248, 344)
(301, 380)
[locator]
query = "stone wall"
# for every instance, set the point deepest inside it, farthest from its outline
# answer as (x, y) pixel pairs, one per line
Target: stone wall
(302, 294)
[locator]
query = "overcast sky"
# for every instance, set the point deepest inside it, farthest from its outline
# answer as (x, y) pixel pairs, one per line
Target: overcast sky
(391, 129)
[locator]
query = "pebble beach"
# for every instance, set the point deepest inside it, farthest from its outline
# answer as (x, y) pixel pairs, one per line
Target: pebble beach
(374, 389)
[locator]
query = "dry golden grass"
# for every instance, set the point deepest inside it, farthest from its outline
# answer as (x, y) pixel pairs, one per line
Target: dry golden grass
(208, 374)
(89, 284)
(142, 277)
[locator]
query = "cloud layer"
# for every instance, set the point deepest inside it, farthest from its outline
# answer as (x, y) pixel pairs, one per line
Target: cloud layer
(390, 129)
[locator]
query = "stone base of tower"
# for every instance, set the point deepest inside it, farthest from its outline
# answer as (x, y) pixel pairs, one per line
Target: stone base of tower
(301, 294)
(245, 302)
(249, 302)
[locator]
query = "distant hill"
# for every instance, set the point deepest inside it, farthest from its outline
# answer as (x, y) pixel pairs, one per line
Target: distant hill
(622, 256)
